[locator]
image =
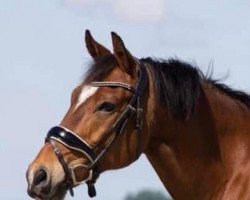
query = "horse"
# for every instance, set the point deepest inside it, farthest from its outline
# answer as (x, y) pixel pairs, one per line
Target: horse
(194, 130)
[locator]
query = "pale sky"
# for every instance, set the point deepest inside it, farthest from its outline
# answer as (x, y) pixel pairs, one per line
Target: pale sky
(43, 57)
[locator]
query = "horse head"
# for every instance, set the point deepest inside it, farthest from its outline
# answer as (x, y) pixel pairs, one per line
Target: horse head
(104, 127)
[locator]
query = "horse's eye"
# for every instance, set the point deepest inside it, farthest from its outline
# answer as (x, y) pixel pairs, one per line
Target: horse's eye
(106, 107)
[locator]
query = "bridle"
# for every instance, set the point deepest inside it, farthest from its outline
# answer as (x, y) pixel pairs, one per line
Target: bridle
(71, 140)
(74, 142)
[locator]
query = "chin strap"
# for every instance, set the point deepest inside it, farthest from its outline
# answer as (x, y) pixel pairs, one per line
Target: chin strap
(91, 183)
(91, 189)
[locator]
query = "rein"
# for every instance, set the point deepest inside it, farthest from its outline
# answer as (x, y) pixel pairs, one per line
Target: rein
(71, 140)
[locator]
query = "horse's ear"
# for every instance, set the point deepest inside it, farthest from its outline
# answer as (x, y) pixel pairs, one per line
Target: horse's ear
(94, 48)
(124, 58)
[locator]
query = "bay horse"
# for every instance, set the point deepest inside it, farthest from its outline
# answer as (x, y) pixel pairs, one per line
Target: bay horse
(194, 130)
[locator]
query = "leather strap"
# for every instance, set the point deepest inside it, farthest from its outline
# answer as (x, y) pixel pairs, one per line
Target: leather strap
(64, 165)
(113, 84)
(71, 140)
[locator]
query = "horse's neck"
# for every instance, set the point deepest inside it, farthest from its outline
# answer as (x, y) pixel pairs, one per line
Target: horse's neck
(192, 158)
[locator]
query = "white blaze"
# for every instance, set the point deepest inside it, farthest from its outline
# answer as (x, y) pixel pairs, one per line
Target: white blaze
(86, 92)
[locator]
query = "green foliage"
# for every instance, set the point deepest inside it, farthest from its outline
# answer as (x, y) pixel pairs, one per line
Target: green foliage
(147, 195)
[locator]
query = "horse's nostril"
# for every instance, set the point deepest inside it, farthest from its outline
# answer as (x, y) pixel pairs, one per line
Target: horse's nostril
(40, 177)
(39, 183)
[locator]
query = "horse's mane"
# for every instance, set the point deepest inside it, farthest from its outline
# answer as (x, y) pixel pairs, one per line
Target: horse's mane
(177, 83)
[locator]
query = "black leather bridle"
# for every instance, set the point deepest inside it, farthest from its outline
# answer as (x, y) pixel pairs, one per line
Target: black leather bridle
(73, 141)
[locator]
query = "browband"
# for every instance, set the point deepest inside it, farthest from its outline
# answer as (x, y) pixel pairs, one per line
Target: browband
(113, 84)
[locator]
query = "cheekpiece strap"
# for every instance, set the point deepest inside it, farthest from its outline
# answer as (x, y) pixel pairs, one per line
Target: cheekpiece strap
(121, 121)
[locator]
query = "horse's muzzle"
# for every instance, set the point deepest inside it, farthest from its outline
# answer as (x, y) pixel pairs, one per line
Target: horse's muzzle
(39, 182)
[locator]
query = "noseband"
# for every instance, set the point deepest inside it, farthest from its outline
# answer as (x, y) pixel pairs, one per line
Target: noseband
(74, 142)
